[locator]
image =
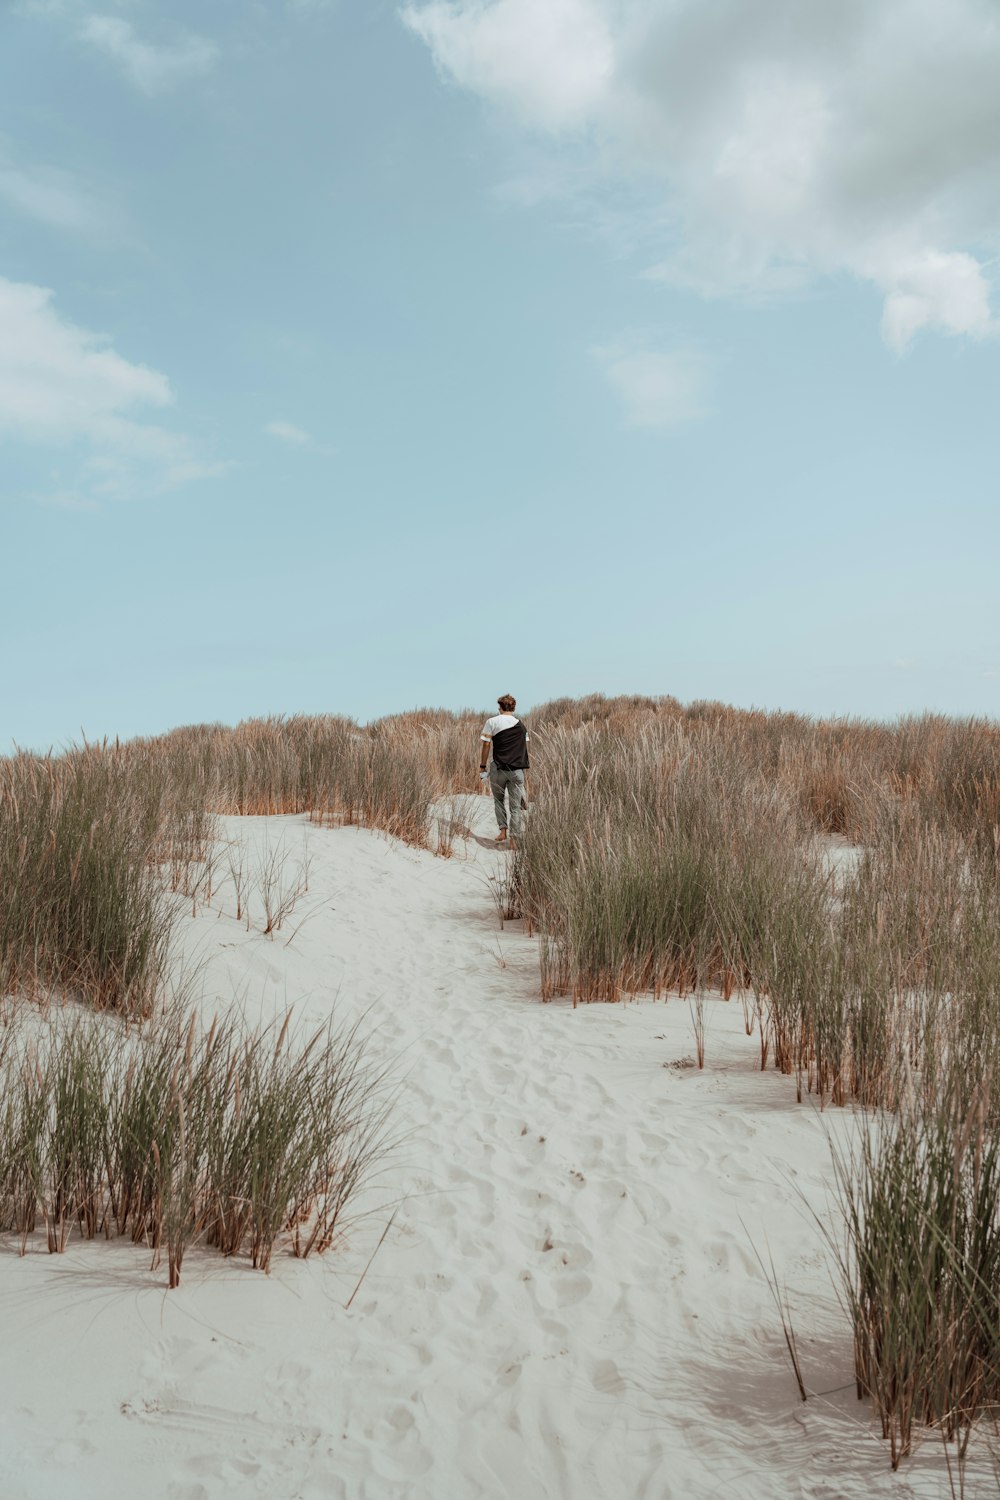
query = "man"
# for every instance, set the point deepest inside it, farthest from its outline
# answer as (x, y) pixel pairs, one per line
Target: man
(508, 738)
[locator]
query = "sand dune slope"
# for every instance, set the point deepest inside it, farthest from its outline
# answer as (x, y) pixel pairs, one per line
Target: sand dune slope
(568, 1305)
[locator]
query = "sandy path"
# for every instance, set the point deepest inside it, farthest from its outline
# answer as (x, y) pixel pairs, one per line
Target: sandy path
(568, 1306)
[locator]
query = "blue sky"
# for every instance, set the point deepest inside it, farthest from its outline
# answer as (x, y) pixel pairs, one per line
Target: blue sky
(355, 357)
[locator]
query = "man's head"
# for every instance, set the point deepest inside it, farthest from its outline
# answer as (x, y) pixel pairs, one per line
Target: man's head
(506, 704)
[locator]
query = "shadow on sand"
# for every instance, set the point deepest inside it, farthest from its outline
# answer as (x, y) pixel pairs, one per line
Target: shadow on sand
(486, 843)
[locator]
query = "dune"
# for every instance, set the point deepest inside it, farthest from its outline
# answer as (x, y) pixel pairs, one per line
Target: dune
(567, 1301)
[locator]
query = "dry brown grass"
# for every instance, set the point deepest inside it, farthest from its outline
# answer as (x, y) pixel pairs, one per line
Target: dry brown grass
(89, 840)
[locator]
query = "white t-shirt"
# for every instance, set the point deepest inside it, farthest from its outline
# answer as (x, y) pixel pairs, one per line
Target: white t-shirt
(499, 721)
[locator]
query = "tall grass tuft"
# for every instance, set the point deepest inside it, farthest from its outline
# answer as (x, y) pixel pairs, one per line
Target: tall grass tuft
(921, 1266)
(652, 864)
(176, 1135)
(81, 909)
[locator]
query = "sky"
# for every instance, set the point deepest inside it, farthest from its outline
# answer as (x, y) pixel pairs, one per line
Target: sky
(356, 356)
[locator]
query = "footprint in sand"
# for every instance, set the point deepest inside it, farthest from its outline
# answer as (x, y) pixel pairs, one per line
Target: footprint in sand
(510, 1374)
(487, 1301)
(532, 1152)
(574, 1256)
(573, 1289)
(71, 1450)
(395, 1451)
(565, 1262)
(657, 1145)
(605, 1377)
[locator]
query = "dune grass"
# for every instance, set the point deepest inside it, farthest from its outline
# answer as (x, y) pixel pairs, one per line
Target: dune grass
(651, 864)
(920, 1267)
(91, 839)
(384, 775)
(671, 849)
(177, 1135)
(81, 911)
(678, 849)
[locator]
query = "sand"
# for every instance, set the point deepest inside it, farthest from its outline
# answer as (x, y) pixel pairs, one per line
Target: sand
(568, 1305)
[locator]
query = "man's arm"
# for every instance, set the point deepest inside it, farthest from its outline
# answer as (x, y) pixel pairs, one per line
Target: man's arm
(485, 746)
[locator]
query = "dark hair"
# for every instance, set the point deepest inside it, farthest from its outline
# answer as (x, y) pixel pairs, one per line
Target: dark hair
(507, 703)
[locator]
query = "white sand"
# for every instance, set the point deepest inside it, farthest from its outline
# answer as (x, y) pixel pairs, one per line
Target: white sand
(568, 1304)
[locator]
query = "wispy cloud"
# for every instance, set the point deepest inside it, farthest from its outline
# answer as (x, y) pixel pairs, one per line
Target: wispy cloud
(779, 142)
(47, 197)
(657, 388)
(287, 432)
(64, 387)
(60, 200)
(69, 500)
(46, 9)
(152, 68)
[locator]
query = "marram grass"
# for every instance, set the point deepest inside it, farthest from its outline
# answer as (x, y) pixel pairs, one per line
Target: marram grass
(176, 1135)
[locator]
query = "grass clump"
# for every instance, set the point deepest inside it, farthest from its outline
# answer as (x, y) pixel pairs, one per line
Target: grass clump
(81, 909)
(921, 1267)
(652, 864)
(177, 1136)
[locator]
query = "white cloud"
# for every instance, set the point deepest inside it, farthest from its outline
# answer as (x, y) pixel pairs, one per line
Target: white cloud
(782, 141)
(288, 433)
(58, 381)
(932, 289)
(551, 60)
(657, 388)
(150, 68)
(64, 387)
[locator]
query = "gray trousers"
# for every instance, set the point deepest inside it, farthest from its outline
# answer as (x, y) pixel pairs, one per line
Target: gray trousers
(511, 782)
